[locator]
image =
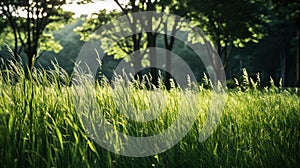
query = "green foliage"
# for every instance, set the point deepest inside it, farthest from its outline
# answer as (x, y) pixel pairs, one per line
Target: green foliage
(48, 43)
(40, 128)
(95, 21)
(30, 23)
(233, 22)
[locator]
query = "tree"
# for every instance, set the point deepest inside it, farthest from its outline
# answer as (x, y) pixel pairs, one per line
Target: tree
(141, 6)
(290, 10)
(229, 23)
(139, 43)
(30, 21)
(145, 42)
(124, 46)
(169, 41)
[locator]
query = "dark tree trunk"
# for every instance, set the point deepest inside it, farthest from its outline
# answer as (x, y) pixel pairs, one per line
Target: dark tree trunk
(151, 39)
(169, 46)
(136, 38)
(136, 59)
(168, 68)
(151, 44)
(29, 51)
(16, 44)
(298, 59)
(283, 55)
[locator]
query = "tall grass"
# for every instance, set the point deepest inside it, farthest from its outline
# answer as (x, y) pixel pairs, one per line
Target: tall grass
(39, 126)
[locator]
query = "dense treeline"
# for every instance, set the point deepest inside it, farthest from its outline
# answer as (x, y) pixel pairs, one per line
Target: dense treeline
(260, 35)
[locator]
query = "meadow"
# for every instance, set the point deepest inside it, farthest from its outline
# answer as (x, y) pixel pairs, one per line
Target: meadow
(39, 126)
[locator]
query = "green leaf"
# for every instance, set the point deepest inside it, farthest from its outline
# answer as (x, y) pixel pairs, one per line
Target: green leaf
(92, 147)
(60, 139)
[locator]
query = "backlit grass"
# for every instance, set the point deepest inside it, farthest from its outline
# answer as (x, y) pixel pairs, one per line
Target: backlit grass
(39, 126)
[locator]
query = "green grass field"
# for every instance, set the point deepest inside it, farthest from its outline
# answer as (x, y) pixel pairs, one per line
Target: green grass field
(39, 127)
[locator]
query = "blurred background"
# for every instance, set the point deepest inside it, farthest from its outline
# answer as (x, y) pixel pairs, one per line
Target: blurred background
(259, 35)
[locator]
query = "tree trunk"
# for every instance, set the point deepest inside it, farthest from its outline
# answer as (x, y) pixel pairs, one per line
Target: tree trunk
(151, 39)
(283, 64)
(153, 61)
(298, 60)
(169, 47)
(29, 51)
(136, 59)
(16, 44)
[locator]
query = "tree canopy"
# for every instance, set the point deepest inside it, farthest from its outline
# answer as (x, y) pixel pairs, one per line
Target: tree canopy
(30, 22)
